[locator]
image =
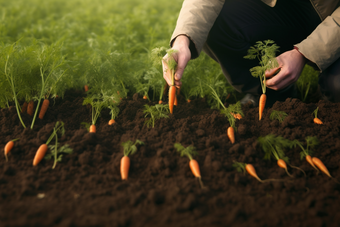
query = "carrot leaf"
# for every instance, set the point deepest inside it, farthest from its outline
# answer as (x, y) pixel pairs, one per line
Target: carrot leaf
(311, 142)
(155, 112)
(240, 167)
(274, 146)
(129, 148)
(278, 115)
(186, 151)
(315, 112)
(57, 153)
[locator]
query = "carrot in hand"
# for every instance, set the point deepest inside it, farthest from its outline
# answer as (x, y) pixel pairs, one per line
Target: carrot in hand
(175, 102)
(40, 154)
(44, 108)
(193, 164)
(172, 97)
(316, 120)
(30, 108)
(172, 65)
(129, 149)
(262, 104)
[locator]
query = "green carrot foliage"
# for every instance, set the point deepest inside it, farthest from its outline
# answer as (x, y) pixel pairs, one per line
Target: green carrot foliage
(278, 115)
(274, 146)
(186, 151)
(129, 147)
(155, 112)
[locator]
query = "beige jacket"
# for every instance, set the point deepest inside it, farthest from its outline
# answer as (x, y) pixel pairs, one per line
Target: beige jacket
(321, 47)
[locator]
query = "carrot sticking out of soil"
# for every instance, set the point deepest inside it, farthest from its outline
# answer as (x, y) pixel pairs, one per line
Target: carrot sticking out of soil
(243, 167)
(129, 149)
(24, 107)
(316, 120)
(160, 102)
(193, 164)
(231, 134)
(172, 96)
(93, 129)
(86, 88)
(262, 104)
(8, 147)
(44, 108)
(40, 154)
(145, 97)
(30, 108)
(188, 100)
(111, 122)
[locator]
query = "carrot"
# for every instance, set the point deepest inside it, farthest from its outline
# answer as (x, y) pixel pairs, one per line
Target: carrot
(124, 167)
(282, 164)
(30, 108)
(145, 97)
(44, 107)
(236, 116)
(262, 104)
(24, 107)
(160, 102)
(321, 166)
(172, 95)
(175, 102)
(252, 172)
(93, 129)
(310, 161)
(195, 169)
(231, 134)
(8, 148)
(317, 121)
(86, 88)
(40, 154)
(228, 96)
(112, 121)
(188, 100)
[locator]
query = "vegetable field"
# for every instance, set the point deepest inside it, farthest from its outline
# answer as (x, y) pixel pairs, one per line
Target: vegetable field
(108, 152)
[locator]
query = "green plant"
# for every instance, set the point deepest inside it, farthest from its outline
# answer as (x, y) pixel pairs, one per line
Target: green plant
(307, 82)
(155, 112)
(278, 115)
(57, 153)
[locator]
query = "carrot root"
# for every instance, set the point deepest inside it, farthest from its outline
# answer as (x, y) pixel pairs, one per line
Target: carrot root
(145, 97)
(124, 167)
(86, 88)
(231, 134)
(30, 108)
(44, 108)
(262, 104)
(195, 169)
(282, 164)
(321, 166)
(310, 161)
(188, 100)
(172, 95)
(40, 154)
(317, 121)
(112, 121)
(8, 148)
(252, 172)
(24, 107)
(93, 129)
(160, 102)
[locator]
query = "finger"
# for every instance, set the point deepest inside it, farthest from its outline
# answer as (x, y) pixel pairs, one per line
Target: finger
(275, 81)
(166, 72)
(271, 72)
(182, 63)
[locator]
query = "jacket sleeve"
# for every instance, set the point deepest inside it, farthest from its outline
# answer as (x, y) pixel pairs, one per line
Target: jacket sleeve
(195, 21)
(322, 47)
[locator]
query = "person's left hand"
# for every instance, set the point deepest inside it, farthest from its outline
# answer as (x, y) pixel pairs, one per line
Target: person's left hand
(291, 64)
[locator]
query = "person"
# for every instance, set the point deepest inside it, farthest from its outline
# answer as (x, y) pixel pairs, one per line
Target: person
(308, 32)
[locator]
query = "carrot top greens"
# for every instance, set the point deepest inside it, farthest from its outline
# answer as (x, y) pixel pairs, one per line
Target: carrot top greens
(129, 147)
(273, 146)
(311, 142)
(278, 115)
(172, 64)
(186, 151)
(155, 112)
(265, 52)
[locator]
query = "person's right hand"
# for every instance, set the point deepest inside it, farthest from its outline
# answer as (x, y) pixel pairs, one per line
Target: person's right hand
(182, 57)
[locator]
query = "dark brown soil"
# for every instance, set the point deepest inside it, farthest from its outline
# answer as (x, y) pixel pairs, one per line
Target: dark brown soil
(85, 189)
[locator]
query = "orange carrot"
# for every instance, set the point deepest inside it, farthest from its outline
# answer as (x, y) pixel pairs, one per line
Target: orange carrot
(321, 166)
(188, 100)
(175, 102)
(172, 95)
(93, 129)
(195, 169)
(24, 107)
(44, 107)
(160, 102)
(40, 154)
(124, 167)
(228, 96)
(310, 161)
(30, 108)
(317, 121)
(281, 163)
(145, 97)
(178, 91)
(251, 170)
(86, 88)
(236, 116)
(262, 104)
(8, 148)
(112, 121)
(231, 134)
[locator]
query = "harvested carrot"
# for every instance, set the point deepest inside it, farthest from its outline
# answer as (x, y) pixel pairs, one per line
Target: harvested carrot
(231, 134)
(252, 172)
(282, 164)
(172, 95)
(124, 167)
(321, 166)
(262, 104)
(40, 154)
(112, 121)
(310, 161)
(195, 169)
(145, 97)
(24, 107)
(30, 108)
(86, 88)
(44, 108)
(160, 102)
(317, 121)
(93, 129)
(175, 102)
(129, 149)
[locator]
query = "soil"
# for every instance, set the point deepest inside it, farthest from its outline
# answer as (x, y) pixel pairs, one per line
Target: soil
(85, 188)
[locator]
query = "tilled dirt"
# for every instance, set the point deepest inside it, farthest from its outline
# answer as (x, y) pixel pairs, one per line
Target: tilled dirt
(85, 188)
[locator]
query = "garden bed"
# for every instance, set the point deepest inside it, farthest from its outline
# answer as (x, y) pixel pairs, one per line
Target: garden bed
(85, 189)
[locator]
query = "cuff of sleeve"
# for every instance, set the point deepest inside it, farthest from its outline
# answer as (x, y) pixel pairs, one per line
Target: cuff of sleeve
(192, 46)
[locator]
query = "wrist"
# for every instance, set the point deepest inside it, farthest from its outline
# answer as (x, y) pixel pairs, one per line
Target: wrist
(304, 59)
(181, 40)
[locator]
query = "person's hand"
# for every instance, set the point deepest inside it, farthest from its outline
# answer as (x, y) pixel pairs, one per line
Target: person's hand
(291, 64)
(182, 57)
